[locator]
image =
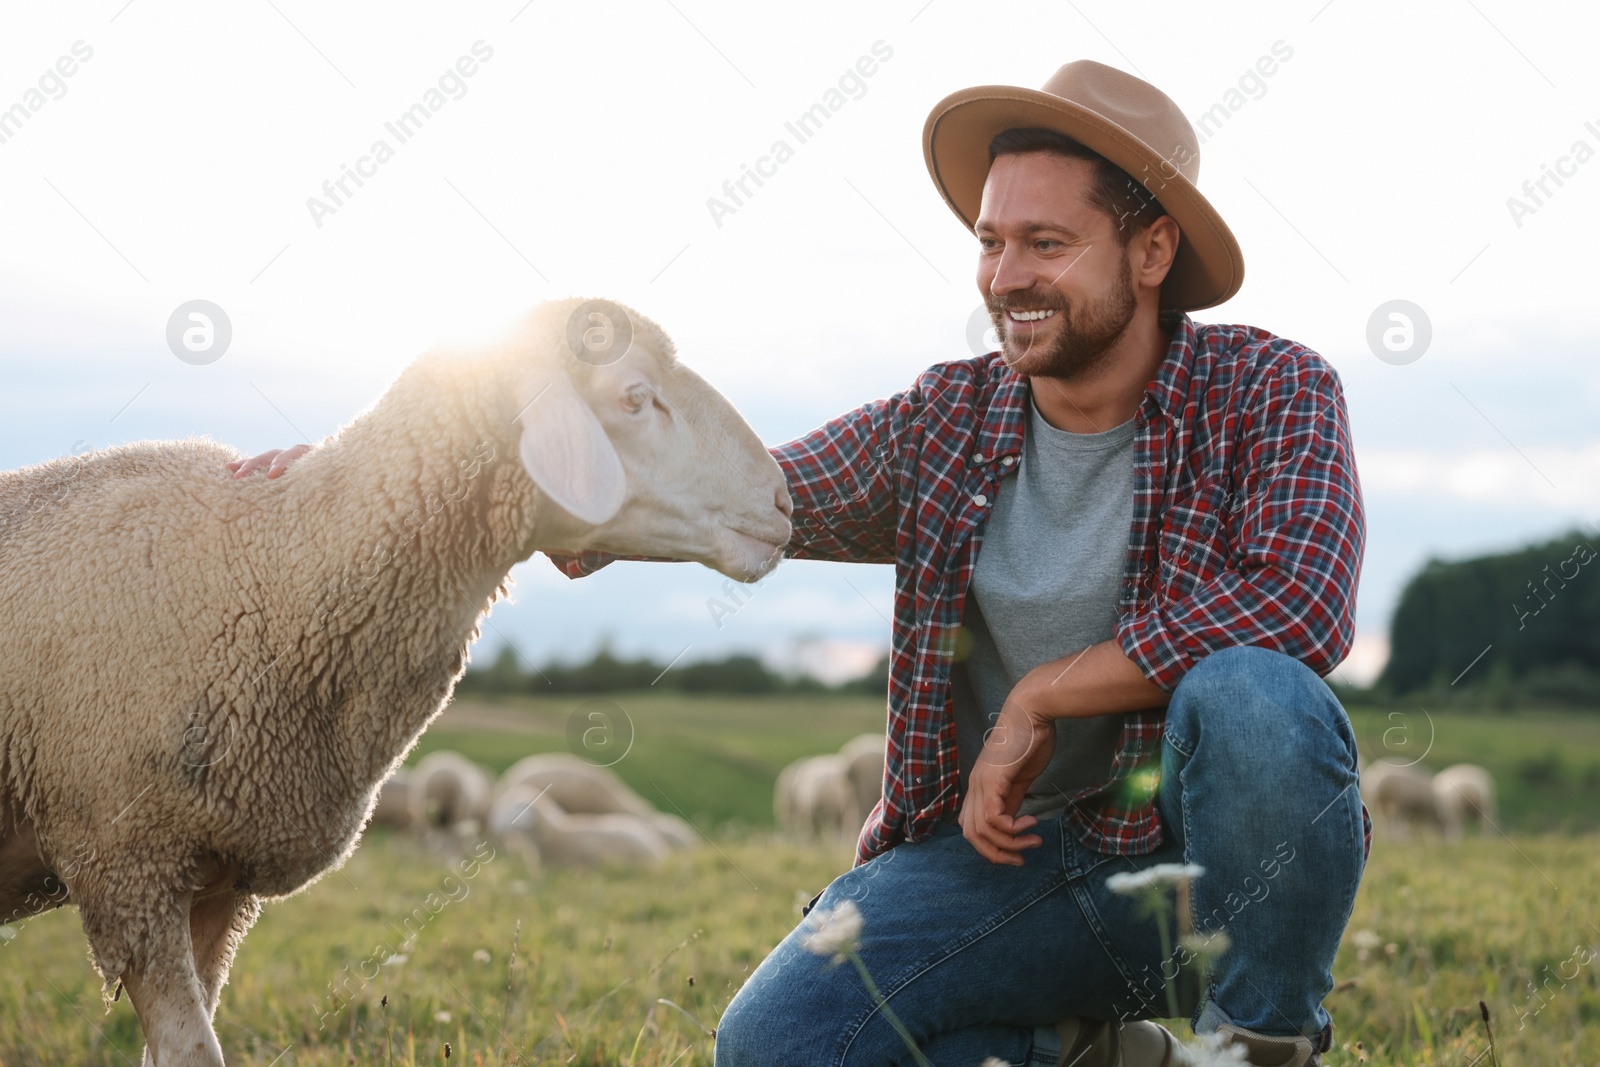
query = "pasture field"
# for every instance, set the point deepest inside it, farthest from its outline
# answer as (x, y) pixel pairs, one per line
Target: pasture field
(714, 758)
(408, 948)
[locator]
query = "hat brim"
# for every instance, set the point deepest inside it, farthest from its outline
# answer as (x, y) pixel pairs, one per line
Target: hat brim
(1208, 268)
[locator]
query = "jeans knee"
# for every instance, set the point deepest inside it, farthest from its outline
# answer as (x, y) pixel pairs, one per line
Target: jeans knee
(757, 1028)
(1257, 703)
(742, 1033)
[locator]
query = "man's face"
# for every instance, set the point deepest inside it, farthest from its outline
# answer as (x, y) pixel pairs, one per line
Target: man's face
(1055, 277)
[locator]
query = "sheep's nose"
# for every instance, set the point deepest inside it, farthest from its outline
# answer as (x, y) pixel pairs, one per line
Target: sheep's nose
(785, 505)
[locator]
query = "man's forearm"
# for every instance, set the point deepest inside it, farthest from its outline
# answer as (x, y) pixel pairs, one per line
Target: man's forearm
(1099, 680)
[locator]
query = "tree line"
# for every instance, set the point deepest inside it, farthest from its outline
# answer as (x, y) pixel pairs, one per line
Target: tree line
(606, 672)
(1504, 627)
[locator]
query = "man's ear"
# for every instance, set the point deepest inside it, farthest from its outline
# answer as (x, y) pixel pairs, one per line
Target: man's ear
(1161, 240)
(566, 452)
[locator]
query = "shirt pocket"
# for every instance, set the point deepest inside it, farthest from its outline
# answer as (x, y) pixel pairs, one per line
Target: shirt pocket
(1194, 543)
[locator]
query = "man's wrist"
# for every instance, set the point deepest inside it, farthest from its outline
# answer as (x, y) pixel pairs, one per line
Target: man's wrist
(1098, 680)
(1045, 692)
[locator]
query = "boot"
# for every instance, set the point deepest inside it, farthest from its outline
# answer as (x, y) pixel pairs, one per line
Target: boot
(1098, 1043)
(1267, 1051)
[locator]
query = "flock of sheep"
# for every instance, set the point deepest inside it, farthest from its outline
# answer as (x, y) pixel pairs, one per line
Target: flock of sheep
(558, 810)
(554, 809)
(1405, 797)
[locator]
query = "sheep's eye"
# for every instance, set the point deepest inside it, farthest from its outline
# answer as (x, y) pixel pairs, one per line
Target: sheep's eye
(635, 397)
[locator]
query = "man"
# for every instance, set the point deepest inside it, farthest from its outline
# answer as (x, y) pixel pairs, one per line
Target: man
(1126, 548)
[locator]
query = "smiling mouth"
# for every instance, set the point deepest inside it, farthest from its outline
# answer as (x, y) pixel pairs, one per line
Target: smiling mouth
(1017, 315)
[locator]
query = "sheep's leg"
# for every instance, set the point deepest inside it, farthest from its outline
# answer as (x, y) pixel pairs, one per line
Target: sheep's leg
(168, 997)
(216, 926)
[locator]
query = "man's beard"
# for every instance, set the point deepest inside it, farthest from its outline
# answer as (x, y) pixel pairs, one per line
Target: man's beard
(1084, 338)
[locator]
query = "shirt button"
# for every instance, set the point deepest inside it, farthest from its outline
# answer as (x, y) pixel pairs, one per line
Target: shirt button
(978, 458)
(980, 500)
(1008, 461)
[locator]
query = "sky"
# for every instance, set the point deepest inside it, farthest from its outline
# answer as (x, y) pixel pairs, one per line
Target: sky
(1446, 154)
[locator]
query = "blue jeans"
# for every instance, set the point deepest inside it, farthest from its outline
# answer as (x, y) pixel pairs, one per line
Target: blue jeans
(1258, 786)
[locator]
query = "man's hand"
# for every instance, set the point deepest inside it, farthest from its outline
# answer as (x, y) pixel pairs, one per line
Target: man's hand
(274, 462)
(1015, 752)
(1098, 680)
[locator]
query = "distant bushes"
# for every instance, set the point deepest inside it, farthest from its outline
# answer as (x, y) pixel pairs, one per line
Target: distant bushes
(607, 673)
(1526, 622)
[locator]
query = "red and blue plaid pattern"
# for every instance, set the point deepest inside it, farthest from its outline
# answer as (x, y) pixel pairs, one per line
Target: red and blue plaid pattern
(1247, 530)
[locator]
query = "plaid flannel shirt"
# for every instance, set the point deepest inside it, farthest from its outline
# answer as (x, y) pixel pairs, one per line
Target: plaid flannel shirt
(1247, 530)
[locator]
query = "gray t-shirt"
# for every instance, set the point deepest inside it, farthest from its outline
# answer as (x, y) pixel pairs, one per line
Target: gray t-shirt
(1046, 583)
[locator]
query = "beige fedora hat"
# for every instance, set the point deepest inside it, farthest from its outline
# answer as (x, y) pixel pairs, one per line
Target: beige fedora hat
(1131, 123)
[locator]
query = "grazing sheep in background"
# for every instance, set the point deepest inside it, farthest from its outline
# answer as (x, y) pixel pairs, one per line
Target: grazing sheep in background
(1401, 795)
(863, 758)
(1463, 793)
(815, 800)
(526, 815)
(392, 809)
(204, 681)
(581, 788)
(450, 792)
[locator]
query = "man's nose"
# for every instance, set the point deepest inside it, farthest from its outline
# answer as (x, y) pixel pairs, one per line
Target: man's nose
(1011, 274)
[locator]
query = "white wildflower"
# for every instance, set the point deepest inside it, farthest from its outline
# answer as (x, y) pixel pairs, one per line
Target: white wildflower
(482, 955)
(1207, 946)
(1162, 874)
(834, 931)
(1209, 1051)
(441, 1016)
(1367, 940)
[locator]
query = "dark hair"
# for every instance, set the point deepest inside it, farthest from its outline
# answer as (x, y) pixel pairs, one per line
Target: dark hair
(1129, 204)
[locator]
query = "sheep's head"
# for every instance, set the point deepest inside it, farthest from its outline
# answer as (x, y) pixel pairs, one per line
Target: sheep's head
(639, 454)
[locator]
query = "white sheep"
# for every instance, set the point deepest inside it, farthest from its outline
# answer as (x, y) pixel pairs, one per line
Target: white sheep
(1402, 795)
(815, 800)
(450, 792)
(392, 809)
(205, 680)
(527, 815)
(581, 788)
(1463, 793)
(863, 759)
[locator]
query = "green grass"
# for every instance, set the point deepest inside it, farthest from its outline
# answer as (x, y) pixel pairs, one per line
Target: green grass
(597, 952)
(713, 759)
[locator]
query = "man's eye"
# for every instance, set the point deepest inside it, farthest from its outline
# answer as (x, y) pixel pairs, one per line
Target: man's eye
(1046, 245)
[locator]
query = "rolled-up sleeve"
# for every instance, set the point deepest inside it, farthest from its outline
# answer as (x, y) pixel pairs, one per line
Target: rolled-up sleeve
(1270, 555)
(843, 482)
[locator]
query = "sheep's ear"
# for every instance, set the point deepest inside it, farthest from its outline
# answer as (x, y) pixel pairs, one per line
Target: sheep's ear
(566, 452)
